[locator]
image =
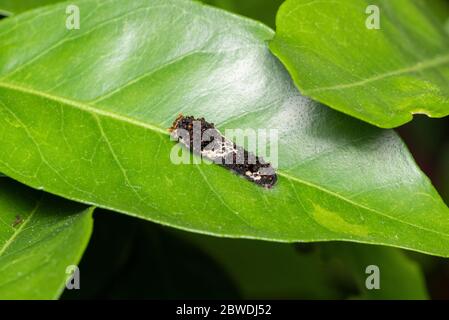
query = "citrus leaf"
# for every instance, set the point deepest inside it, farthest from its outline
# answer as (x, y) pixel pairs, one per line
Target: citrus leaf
(84, 115)
(40, 236)
(383, 76)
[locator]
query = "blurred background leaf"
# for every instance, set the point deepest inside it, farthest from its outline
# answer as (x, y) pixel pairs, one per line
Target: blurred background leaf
(129, 258)
(9, 7)
(333, 270)
(440, 8)
(266, 270)
(400, 277)
(261, 10)
(428, 140)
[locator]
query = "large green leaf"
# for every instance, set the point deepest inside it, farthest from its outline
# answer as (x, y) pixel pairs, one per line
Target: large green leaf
(84, 115)
(40, 236)
(382, 76)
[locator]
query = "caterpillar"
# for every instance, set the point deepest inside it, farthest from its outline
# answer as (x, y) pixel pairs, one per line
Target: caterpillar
(211, 144)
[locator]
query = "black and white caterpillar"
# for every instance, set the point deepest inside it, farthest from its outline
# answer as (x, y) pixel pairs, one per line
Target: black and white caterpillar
(202, 138)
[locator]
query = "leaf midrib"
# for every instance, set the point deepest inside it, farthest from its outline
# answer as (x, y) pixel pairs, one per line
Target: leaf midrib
(83, 106)
(421, 65)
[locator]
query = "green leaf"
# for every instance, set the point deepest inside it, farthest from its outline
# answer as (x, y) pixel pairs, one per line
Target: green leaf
(399, 276)
(267, 270)
(84, 115)
(262, 10)
(264, 270)
(10, 7)
(40, 236)
(382, 76)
